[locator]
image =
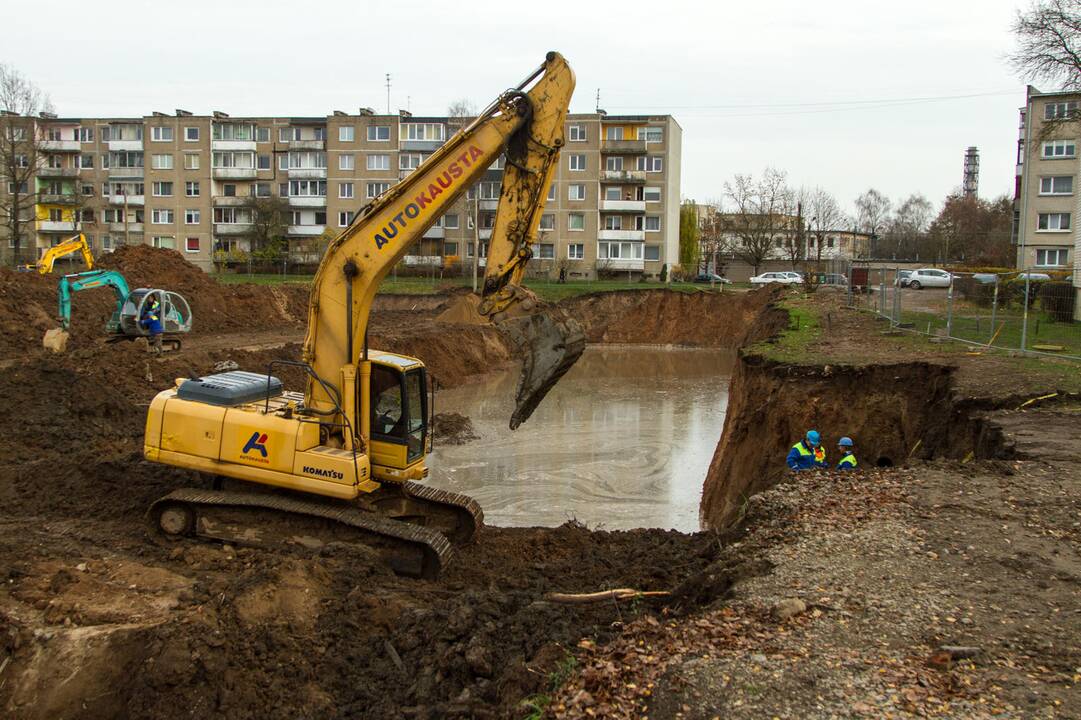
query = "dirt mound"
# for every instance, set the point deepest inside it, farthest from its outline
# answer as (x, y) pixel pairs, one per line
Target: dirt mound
(453, 428)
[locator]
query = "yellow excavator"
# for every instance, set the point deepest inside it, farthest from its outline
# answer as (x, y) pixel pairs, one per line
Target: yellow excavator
(344, 459)
(74, 244)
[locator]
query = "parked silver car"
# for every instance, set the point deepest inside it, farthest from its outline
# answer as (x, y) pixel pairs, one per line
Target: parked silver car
(929, 277)
(785, 278)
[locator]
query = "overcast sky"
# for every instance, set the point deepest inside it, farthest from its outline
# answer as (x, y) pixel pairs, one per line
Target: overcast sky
(823, 90)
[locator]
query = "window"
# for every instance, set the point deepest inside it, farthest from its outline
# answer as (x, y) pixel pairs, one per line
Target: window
(283, 161)
(376, 189)
(233, 131)
(576, 221)
(228, 189)
(611, 193)
(161, 217)
(378, 133)
(1052, 258)
(1059, 110)
(18, 134)
(191, 217)
(619, 251)
(262, 134)
(1056, 185)
(344, 218)
(651, 135)
(86, 161)
(162, 162)
(346, 133)
(652, 194)
(262, 162)
(345, 190)
(87, 190)
(191, 161)
(55, 134)
(450, 249)
(576, 192)
(232, 216)
(450, 222)
(191, 134)
(286, 134)
(613, 164)
(544, 251)
(577, 162)
(552, 191)
(613, 222)
(489, 190)
(106, 243)
(161, 134)
(379, 162)
(126, 159)
(84, 134)
(1054, 149)
(162, 189)
(231, 159)
(163, 241)
(410, 161)
(191, 244)
(22, 161)
(653, 252)
(260, 190)
(548, 221)
(24, 188)
(576, 251)
(577, 133)
(653, 223)
(651, 163)
(56, 215)
(307, 188)
(423, 131)
(191, 188)
(613, 133)
(1051, 222)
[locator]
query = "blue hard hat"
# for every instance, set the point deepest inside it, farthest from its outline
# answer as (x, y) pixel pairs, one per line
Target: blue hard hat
(813, 437)
(845, 442)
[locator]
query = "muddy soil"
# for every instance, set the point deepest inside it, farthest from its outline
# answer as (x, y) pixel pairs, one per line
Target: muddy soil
(96, 622)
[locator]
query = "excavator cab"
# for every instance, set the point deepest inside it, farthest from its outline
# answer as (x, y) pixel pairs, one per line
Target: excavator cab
(399, 414)
(175, 312)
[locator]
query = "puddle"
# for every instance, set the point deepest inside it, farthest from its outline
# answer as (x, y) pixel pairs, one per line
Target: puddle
(623, 441)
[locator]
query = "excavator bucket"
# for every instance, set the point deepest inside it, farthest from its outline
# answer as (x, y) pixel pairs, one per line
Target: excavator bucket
(550, 342)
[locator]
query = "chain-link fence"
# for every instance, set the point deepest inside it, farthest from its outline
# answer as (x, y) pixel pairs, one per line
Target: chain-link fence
(1032, 311)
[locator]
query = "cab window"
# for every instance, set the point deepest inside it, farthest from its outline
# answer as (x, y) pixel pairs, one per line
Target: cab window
(386, 392)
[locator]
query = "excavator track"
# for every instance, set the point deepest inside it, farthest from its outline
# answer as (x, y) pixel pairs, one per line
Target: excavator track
(248, 518)
(458, 517)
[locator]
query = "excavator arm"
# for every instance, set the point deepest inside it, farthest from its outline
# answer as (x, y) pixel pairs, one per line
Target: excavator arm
(70, 246)
(526, 124)
(86, 281)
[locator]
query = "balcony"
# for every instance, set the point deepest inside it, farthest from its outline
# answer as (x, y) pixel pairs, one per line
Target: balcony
(119, 227)
(55, 226)
(632, 235)
(126, 173)
(130, 199)
(51, 172)
(435, 233)
(624, 176)
(621, 264)
(234, 173)
(307, 173)
(125, 145)
(624, 147)
(486, 234)
(308, 202)
(62, 199)
(60, 145)
(305, 145)
(233, 145)
(230, 200)
(423, 260)
(306, 230)
(232, 228)
(403, 174)
(633, 206)
(420, 145)
(489, 204)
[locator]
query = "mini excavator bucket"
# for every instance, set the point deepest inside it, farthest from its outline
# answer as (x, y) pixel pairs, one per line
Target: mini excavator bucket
(547, 339)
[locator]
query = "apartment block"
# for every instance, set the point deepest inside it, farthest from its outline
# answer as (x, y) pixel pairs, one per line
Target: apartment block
(200, 183)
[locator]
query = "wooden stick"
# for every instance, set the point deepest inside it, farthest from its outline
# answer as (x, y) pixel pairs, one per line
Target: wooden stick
(617, 594)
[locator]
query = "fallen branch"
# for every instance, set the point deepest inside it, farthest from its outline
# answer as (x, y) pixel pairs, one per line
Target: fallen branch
(617, 594)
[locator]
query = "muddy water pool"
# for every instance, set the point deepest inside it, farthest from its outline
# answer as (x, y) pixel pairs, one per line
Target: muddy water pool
(623, 441)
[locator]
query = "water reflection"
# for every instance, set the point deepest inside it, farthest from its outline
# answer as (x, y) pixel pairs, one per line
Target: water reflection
(623, 441)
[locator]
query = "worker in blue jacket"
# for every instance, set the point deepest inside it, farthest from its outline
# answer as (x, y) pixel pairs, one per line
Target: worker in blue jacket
(808, 454)
(848, 459)
(151, 320)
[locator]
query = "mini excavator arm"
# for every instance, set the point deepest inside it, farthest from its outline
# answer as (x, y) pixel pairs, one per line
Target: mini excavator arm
(86, 281)
(526, 125)
(68, 247)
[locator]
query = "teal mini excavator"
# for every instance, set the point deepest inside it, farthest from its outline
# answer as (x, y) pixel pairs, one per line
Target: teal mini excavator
(124, 323)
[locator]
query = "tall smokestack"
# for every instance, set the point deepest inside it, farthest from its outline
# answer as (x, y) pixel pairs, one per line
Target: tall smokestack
(970, 186)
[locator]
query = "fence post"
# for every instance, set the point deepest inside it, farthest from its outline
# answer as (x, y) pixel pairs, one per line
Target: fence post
(1024, 316)
(848, 292)
(896, 300)
(949, 309)
(882, 292)
(994, 312)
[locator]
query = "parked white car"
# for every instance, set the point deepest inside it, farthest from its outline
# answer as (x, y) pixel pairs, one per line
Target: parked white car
(785, 278)
(929, 277)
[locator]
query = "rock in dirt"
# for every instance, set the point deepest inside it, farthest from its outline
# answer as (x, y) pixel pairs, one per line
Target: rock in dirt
(789, 607)
(56, 339)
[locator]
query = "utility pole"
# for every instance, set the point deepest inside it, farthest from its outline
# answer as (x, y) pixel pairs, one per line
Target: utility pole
(388, 93)
(476, 236)
(799, 231)
(127, 233)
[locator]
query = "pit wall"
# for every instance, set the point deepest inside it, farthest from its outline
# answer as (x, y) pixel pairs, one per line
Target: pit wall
(892, 412)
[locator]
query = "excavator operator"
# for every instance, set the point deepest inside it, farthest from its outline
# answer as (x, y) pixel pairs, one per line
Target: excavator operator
(151, 320)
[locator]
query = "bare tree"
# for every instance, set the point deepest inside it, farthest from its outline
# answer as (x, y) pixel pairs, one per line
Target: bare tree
(872, 213)
(758, 212)
(908, 227)
(1049, 43)
(824, 216)
(715, 243)
(462, 108)
(20, 152)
